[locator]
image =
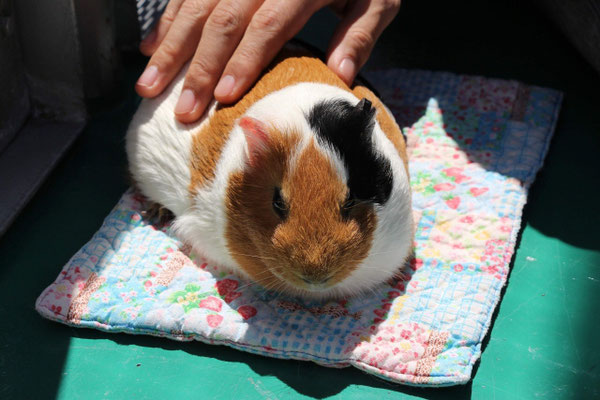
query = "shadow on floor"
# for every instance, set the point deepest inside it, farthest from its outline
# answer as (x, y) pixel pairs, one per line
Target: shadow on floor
(324, 382)
(63, 215)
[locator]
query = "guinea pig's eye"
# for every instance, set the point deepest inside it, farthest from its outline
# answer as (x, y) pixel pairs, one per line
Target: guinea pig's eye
(347, 207)
(279, 205)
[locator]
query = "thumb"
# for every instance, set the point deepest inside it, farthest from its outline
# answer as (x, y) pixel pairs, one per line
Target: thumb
(356, 34)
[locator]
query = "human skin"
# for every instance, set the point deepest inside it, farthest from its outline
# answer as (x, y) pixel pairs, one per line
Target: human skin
(230, 42)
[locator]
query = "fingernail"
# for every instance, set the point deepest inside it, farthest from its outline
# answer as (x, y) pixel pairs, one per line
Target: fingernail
(186, 102)
(347, 69)
(225, 86)
(149, 76)
(148, 40)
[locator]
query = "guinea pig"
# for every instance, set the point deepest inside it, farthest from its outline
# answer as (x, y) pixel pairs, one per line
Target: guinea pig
(302, 186)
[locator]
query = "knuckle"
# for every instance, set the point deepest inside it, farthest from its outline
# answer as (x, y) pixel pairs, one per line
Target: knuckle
(390, 4)
(248, 56)
(195, 10)
(169, 15)
(167, 53)
(224, 19)
(196, 82)
(200, 69)
(268, 20)
(360, 39)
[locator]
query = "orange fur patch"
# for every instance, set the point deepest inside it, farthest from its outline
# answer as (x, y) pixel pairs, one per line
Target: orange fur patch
(251, 220)
(314, 241)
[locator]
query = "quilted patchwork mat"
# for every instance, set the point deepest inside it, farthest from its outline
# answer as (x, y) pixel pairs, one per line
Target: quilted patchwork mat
(475, 145)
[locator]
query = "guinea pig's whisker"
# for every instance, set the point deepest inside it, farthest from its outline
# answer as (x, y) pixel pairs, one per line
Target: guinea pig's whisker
(254, 256)
(274, 287)
(277, 286)
(364, 266)
(383, 252)
(255, 282)
(261, 277)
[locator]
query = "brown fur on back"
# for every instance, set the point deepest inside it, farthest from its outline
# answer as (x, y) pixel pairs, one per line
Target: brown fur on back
(286, 70)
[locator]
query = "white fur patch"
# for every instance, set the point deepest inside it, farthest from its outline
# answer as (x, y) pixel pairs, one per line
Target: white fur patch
(203, 224)
(158, 149)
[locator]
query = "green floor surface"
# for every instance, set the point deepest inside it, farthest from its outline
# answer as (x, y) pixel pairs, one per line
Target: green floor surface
(544, 340)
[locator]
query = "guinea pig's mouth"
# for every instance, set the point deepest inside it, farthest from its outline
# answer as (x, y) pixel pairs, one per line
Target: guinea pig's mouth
(295, 284)
(317, 288)
(315, 285)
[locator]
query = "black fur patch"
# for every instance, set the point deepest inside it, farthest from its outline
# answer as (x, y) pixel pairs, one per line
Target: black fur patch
(349, 130)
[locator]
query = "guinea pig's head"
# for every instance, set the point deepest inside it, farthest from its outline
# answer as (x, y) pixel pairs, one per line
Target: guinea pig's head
(302, 215)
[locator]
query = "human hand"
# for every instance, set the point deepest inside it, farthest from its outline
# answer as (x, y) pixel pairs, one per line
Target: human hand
(231, 41)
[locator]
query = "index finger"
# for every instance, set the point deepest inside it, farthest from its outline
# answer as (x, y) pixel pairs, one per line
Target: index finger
(271, 27)
(221, 34)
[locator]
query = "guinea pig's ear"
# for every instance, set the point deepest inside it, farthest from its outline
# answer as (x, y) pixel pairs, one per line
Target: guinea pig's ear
(365, 107)
(256, 137)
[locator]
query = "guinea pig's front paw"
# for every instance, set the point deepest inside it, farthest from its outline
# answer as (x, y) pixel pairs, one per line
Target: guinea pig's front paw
(157, 213)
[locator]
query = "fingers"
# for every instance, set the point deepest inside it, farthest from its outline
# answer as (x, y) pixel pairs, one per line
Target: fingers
(271, 27)
(354, 38)
(221, 34)
(149, 45)
(233, 41)
(176, 48)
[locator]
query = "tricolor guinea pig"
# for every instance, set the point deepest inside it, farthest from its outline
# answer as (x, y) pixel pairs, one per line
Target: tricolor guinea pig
(301, 186)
